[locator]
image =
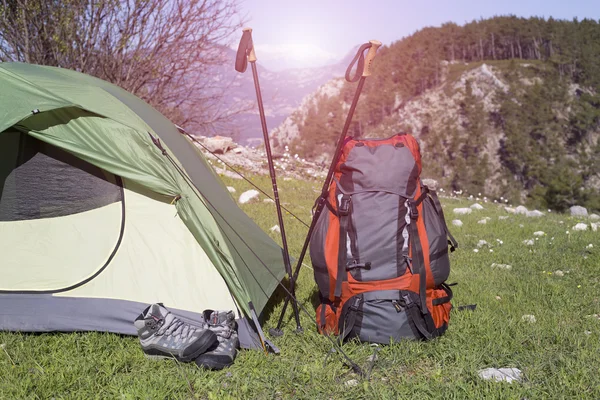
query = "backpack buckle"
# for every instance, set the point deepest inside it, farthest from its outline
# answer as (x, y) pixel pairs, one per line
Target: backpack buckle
(344, 208)
(412, 208)
(355, 304)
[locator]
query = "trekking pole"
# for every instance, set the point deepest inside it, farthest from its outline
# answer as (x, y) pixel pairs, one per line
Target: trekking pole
(246, 53)
(363, 70)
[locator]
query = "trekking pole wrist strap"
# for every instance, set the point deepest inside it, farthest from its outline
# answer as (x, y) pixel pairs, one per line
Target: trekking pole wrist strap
(245, 51)
(372, 46)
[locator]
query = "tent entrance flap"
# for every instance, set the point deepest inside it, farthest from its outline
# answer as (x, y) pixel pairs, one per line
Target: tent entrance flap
(60, 218)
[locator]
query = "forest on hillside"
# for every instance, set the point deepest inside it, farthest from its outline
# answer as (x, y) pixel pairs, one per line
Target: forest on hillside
(549, 153)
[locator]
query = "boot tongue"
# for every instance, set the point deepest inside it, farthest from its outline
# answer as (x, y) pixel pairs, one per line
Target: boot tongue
(218, 318)
(157, 312)
(221, 318)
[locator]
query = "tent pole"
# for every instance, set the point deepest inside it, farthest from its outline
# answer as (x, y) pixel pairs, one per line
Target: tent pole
(246, 53)
(373, 45)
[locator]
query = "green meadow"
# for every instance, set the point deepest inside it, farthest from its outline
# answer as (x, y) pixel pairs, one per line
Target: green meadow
(558, 354)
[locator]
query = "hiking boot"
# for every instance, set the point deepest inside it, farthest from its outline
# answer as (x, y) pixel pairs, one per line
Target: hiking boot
(223, 324)
(163, 335)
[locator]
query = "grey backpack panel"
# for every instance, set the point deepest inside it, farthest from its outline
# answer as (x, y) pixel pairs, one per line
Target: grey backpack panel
(380, 317)
(377, 248)
(385, 168)
(439, 260)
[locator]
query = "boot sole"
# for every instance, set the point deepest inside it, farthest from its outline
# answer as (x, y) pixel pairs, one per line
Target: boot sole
(212, 364)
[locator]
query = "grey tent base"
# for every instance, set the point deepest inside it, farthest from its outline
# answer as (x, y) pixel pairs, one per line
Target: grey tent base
(47, 313)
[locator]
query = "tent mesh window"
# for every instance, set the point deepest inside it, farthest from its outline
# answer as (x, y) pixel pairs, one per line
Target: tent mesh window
(38, 180)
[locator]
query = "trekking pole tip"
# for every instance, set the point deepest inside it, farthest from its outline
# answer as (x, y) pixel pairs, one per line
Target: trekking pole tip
(247, 29)
(375, 44)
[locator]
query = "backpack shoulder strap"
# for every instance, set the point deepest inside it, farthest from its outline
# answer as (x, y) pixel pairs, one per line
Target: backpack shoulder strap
(344, 216)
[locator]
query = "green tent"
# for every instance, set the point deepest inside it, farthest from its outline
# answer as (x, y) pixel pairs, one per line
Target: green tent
(106, 207)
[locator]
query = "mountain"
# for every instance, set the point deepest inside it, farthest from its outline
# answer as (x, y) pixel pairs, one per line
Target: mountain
(282, 93)
(508, 107)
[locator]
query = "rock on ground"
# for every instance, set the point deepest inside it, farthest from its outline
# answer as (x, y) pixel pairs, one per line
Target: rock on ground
(248, 196)
(231, 189)
(482, 221)
(430, 183)
(580, 227)
(578, 211)
(534, 213)
(254, 160)
(528, 318)
(501, 374)
(275, 228)
(521, 210)
(457, 222)
(351, 383)
(219, 144)
(462, 211)
(594, 217)
(476, 206)
(501, 266)
(538, 233)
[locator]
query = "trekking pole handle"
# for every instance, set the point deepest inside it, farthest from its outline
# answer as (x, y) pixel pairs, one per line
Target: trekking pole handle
(251, 53)
(375, 44)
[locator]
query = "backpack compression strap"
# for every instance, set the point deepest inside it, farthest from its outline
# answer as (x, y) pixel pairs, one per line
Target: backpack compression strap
(419, 262)
(344, 215)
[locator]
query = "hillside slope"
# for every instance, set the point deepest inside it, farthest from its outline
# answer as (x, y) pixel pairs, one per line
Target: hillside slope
(507, 107)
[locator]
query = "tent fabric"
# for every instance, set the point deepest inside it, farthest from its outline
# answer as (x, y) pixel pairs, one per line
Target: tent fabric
(38, 313)
(113, 130)
(158, 261)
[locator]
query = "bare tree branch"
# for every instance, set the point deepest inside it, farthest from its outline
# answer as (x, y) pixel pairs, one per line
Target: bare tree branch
(165, 51)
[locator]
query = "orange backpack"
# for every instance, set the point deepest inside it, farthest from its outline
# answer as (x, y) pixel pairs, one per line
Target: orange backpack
(380, 255)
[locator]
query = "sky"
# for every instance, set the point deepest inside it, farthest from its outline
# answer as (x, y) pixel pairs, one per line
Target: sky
(307, 33)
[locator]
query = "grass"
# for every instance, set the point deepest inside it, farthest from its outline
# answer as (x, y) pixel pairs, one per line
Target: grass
(558, 354)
